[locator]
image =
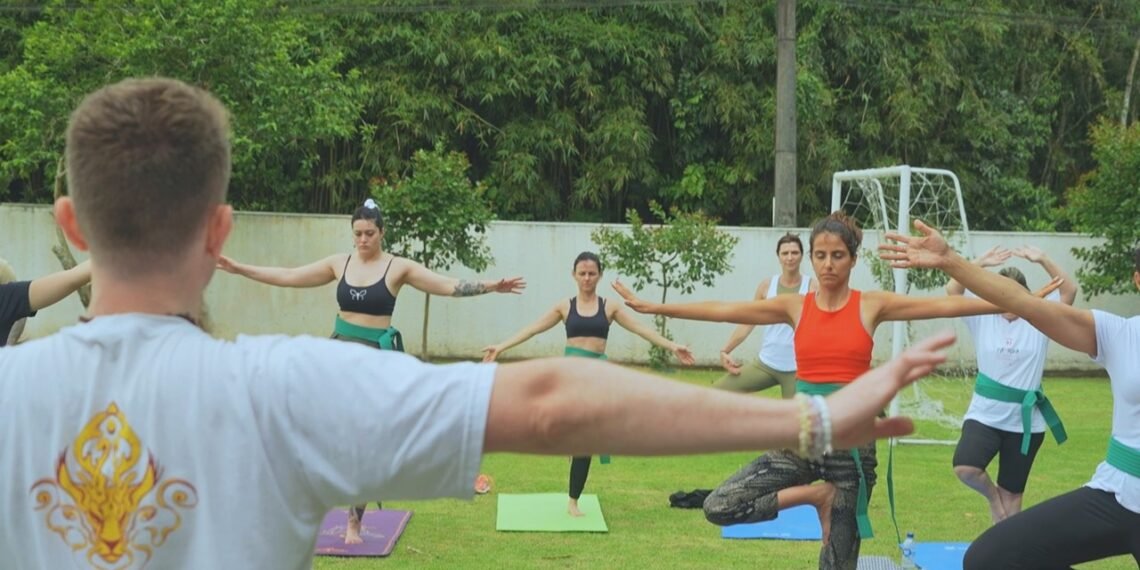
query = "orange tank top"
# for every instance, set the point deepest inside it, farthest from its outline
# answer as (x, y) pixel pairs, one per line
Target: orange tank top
(832, 346)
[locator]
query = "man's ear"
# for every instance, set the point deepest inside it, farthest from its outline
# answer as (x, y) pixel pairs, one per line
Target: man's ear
(65, 216)
(221, 221)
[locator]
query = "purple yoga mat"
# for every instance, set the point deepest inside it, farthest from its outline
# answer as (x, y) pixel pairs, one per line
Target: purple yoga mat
(381, 530)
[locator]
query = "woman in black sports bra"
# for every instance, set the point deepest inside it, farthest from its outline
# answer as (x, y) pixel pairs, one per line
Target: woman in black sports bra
(587, 317)
(368, 283)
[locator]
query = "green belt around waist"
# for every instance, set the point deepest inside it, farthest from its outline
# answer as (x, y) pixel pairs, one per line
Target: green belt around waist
(861, 504)
(575, 351)
(387, 339)
(1124, 458)
(989, 388)
(583, 353)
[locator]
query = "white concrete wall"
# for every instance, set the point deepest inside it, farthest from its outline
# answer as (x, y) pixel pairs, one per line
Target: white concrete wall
(541, 252)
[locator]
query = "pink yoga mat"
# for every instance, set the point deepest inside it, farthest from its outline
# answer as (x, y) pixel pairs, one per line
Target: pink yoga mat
(381, 530)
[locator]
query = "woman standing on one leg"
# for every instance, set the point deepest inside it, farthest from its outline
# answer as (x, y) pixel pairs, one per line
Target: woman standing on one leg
(587, 317)
(776, 363)
(1101, 519)
(368, 284)
(1005, 415)
(833, 341)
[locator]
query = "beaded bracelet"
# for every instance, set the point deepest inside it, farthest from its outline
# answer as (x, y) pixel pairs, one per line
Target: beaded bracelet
(815, 427)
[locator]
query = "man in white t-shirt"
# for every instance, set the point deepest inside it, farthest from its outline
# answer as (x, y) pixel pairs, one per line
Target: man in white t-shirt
(136, 440)
(1101, 519)
(1011, 361)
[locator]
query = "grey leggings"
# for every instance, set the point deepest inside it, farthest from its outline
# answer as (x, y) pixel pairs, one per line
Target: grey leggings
(750, 496)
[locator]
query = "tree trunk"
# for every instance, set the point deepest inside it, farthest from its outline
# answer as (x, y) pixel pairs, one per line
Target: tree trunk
(424, 331)
(1128, 85)
(785, 202)
(61, 250)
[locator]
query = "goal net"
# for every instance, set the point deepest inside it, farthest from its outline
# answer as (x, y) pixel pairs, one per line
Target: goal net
(889, 199)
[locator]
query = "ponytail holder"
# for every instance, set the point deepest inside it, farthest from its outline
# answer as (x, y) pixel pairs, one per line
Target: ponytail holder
(371, 204)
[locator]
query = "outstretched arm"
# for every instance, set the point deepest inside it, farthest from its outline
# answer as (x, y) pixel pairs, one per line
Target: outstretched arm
(51, 289)
(629, 323)
(433, 283)
(994, 257)
(1068, 287)
(312, 275)
(741, 332)
(895, 307)
(777, 310)
(547, 320)
(1071, 327)
(549, 406)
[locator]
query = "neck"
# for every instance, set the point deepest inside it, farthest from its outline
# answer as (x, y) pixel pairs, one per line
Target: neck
(587, 295)
(830, 299)
(370, 256)
(790, 277)
(159, 294)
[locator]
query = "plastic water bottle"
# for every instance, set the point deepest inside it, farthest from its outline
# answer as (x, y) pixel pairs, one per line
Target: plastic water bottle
(907, 547)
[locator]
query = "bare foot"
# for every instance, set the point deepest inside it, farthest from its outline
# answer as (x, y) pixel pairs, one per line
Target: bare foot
(822, 499)
(352, 532)
(573, 509)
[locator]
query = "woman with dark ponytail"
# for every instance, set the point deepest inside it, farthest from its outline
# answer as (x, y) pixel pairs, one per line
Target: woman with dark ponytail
(587, 317)
(367, 286)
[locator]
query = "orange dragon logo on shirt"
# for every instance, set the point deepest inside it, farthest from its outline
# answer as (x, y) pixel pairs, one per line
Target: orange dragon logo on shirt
(108, 497)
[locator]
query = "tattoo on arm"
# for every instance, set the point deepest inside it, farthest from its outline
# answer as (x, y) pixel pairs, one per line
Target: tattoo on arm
(468, 289)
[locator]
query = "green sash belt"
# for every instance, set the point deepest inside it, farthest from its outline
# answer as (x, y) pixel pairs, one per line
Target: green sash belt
(387, 339)
(1123, 457)
(1029, 399)
(861, 516)
(583, 353)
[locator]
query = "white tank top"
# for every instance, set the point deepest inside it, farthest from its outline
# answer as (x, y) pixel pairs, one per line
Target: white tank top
(778, 350)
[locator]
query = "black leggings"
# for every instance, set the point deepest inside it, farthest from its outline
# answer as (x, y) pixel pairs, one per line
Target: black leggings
(1079, 526)
(579, 471)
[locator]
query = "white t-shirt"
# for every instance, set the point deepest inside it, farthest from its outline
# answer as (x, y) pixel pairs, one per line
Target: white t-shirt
(779, 348)
(1118, 350)
(139, 441)
(1012, 353)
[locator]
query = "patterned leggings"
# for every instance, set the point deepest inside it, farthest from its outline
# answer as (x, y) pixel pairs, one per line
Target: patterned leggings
(750, 496)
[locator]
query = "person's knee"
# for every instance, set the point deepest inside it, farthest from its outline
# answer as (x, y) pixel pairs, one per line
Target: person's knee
(719, 509)
(967, 473)
(990, 551)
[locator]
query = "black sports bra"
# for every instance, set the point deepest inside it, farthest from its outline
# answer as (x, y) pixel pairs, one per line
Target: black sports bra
(374, 299)
(594, 326)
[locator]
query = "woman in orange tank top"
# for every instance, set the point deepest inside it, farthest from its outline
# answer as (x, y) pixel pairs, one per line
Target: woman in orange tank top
(833, 341)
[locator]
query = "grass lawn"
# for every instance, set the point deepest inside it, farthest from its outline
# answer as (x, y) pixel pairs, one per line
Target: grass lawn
(644, 531)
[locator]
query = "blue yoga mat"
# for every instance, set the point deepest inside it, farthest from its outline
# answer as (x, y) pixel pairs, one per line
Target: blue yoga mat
(796, 523)
(940, 555)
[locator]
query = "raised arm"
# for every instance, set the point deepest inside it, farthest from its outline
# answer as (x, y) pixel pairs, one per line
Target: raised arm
(1069, 285)
(51, 289)
(432, 283)
(312, 275)
(550, 406)
(994, 257)
(543, 324)
(1071, 327)
(777, 310)
(631, 324)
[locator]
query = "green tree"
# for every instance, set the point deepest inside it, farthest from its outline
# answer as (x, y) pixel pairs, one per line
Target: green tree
(288, 98)
(1106, 204)
(436, 216)
(686, 249)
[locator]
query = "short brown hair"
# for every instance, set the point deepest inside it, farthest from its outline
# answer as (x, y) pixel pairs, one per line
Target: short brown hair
(842, 225)
(146, 160)
(789, 238)
(1015, 274)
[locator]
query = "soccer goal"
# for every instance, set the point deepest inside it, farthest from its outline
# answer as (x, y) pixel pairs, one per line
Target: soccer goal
(888, 199)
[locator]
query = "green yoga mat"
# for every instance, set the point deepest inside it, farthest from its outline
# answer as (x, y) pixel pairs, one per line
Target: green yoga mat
(546, 512)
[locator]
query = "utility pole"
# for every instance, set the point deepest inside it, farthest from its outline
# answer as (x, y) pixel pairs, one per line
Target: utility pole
(784, 206)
